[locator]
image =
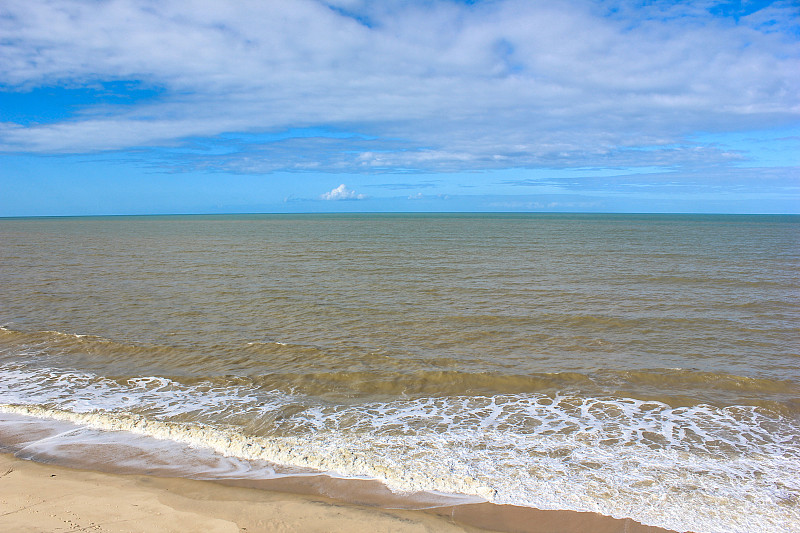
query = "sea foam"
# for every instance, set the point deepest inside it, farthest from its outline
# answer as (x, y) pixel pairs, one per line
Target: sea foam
(703, 468)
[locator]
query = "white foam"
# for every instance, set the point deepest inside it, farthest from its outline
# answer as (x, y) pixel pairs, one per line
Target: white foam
(697, 468)
(68, 335)
(50, 439)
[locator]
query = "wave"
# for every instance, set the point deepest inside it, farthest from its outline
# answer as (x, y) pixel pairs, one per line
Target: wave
(711, 469)
(342, 372)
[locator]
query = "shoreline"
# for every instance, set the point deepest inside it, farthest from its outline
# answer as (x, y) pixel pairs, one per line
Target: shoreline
(43, 497)
(38, 496)
(88, 464)
(63, 479)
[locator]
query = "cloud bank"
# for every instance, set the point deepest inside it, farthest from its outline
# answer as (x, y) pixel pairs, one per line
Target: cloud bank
(254, 86)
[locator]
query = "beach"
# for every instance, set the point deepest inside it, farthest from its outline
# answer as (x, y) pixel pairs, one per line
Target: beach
(38, 497)
(406, 265)
(504, 371)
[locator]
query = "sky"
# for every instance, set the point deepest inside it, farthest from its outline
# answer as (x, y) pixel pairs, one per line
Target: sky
(242, 106)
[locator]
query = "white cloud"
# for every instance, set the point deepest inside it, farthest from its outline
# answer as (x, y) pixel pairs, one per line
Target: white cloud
(435, 86)
(342, 193)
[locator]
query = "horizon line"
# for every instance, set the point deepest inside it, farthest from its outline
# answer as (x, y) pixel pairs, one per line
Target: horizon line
(345, 213)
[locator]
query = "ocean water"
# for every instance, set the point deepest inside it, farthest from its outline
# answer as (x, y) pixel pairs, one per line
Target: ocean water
(642, 366)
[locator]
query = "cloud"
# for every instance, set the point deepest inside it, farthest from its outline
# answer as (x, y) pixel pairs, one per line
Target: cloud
(780, 181)
(342, 193)
(429, 86)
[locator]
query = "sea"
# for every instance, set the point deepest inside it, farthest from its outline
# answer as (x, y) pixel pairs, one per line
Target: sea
(641, 366)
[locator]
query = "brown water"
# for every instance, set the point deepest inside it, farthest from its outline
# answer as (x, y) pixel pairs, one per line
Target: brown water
(587, 362)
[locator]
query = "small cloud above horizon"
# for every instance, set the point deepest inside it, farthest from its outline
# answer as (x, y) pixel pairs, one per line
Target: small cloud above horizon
(342, 193)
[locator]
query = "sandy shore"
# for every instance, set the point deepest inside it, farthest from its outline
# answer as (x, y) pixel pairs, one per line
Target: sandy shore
(37, 497)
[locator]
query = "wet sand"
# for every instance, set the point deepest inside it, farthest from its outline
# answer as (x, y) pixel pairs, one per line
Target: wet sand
(38, 497)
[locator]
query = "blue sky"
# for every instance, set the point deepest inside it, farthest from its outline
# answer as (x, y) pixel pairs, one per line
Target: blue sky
(209, 106)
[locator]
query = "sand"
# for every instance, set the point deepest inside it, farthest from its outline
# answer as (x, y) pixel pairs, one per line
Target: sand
(37, 497)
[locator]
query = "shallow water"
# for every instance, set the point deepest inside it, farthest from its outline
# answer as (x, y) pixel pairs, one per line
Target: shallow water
(641, 366)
